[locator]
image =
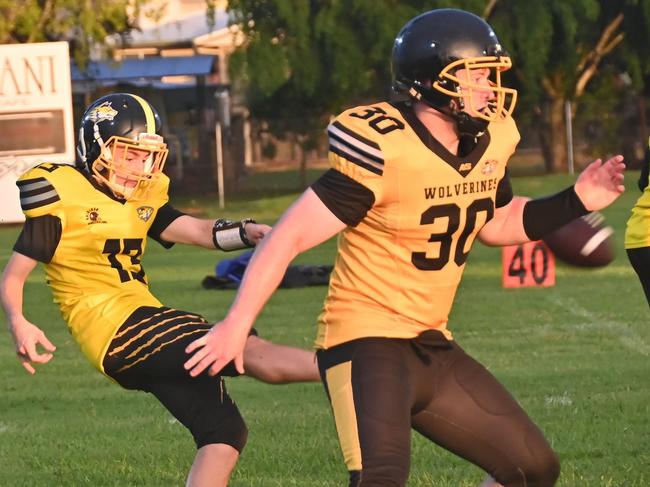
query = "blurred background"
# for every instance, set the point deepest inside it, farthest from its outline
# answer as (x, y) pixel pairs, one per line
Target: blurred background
(271, 73)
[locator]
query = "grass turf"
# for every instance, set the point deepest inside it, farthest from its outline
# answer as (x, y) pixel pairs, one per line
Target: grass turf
(575, 356)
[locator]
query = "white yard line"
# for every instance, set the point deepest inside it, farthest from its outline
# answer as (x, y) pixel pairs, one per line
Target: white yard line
(619, 330)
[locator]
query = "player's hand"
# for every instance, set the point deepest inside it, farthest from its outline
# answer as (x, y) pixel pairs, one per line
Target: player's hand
(224, 343)
(256, 231)
(600, 183)
(27, 338)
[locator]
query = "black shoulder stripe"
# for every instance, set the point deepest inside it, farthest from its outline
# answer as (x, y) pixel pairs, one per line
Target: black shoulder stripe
(354, 149)
(36, 192)
(33, 183)
(368, 165)
(31, 206)
(351, 133)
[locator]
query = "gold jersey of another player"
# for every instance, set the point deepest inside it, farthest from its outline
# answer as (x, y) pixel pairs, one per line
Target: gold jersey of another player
(637, 232)
(95, 274)
(397, 271)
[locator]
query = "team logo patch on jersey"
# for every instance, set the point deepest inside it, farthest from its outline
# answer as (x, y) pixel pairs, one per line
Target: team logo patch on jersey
(489, 166)
(92, 216)
(145, 212)
(465, 166)
(103, 112)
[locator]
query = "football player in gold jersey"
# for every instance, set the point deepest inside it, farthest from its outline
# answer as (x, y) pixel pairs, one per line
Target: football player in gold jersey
(412, 185)
(637, 233)
(89, 225)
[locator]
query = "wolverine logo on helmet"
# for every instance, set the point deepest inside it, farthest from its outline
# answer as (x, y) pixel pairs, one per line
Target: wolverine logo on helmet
(103, 112)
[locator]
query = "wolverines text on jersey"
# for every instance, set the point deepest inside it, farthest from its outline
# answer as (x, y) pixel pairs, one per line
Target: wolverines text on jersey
(398, 267)
(94, 271)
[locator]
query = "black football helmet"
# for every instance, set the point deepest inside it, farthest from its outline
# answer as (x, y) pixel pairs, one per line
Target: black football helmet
(433, 46)
(113, 128)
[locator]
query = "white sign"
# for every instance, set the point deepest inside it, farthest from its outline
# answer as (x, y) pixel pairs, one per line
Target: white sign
(35, 115)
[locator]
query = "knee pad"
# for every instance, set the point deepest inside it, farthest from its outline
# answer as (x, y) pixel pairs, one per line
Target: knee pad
(233, 433)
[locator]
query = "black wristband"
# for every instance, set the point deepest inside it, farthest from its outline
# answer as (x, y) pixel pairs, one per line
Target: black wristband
(545, 215)
(228, 235)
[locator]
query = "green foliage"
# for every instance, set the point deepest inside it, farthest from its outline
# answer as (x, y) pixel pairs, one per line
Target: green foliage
(81, 22)
(303, 60)
(599, 121)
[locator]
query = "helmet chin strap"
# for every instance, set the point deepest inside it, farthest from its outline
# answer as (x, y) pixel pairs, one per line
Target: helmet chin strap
(466, 125)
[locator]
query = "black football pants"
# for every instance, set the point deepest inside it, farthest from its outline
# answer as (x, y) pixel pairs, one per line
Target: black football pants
(640, 260)
(148, 353)
(381, 388)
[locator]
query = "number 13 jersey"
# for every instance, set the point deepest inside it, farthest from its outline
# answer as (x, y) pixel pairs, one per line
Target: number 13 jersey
(94, 271)
(400, 262)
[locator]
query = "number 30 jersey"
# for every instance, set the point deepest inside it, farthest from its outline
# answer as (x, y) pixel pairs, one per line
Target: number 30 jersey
(94, 272)
(400, 261)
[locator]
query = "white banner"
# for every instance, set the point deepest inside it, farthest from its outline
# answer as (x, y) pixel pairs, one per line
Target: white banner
(35, 115)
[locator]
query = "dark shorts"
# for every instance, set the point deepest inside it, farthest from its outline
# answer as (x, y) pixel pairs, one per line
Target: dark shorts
(640, 260)
(148, 353)
(381, 388)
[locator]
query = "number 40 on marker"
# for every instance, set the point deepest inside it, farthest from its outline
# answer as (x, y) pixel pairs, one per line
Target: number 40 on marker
(528, 265)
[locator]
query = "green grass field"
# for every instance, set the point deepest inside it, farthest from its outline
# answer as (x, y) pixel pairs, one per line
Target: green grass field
(575, 356)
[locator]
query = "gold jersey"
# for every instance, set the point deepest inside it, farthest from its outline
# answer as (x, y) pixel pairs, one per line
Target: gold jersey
(95, 273)
(637, 232)
(397, 271)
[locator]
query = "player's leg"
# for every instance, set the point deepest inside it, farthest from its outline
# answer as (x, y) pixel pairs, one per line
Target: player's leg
(212, 466)
(147, 354)
(215, 423)
(278, 364)
(159, 337)
(490, 482)
(368, 385)
(204, 407)
(640, 260)
(472, 415)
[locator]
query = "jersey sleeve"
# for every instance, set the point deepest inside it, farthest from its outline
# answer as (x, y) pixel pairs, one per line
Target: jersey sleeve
(348, 200)
(38, 192)
(39, 238)
(355, 149)
(164, 217)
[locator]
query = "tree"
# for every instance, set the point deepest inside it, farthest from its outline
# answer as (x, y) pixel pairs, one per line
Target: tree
(81, 22)
(304, 59)
(560, 46)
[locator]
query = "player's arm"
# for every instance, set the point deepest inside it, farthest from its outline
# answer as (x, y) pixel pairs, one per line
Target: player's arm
(212, 234)
(173, 226)
(295, 233)
(341, 197)
(27, 336)
(521, 220)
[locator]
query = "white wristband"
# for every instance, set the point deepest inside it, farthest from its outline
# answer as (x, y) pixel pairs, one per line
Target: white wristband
(228, 235)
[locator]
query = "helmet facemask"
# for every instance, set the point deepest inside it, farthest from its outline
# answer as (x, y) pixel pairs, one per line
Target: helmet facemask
(469, 95)
(130, 167)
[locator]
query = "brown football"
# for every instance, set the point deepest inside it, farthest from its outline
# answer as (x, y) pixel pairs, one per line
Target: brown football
(585, 242)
